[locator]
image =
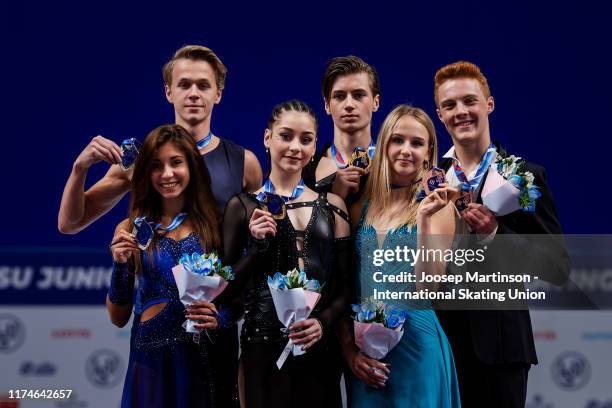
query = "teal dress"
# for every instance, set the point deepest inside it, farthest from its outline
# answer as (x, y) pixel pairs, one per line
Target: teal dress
(422, 367)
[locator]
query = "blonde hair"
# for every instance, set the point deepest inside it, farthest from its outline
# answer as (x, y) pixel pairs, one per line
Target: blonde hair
(378, 187)
(196, 53)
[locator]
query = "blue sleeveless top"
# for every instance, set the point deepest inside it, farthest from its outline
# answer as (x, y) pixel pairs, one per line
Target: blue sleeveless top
(226, 167)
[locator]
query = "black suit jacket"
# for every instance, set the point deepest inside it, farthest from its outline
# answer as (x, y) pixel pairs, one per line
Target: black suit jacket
(505, 336)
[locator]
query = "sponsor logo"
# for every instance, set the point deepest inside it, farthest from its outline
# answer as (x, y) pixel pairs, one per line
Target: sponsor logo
(598, 404)
(104, 368)
(70, 333)
(597, 335)
(12, 333)
(571, 370)
(545, 335)
(538, 401)
(30, 368)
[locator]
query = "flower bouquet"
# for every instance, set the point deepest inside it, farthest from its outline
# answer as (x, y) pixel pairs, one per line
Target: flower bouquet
(200, 277)
(294, 296)
(508, 188)
(378, 327)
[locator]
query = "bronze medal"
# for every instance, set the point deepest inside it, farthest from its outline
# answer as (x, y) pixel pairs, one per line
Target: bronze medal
(433, 179)
(462, 200)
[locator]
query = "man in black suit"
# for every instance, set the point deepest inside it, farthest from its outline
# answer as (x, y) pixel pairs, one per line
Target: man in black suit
(493, 349)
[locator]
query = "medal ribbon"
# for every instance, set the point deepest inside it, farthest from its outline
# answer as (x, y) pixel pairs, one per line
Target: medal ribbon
(340, 163)
(297, 191)
(202, 143)
(178, 220)
(472, 184)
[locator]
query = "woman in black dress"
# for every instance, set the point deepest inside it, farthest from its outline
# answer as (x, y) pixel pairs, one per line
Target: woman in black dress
(313, 235)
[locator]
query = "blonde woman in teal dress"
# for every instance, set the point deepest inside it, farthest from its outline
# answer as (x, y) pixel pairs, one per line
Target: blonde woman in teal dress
(420, 370)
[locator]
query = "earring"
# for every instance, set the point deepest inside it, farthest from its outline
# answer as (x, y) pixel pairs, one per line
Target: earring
(312, 158)
(267, 151)
(426, 164)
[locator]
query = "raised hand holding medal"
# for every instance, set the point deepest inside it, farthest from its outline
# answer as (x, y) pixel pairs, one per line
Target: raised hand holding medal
(360, 158)
(274, 203)
(435, 179)
(272, 208)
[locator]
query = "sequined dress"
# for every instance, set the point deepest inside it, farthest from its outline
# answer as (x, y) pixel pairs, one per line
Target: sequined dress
(422, 367)
(166, 367)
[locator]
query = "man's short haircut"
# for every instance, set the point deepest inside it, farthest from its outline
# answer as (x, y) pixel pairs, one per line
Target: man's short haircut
(460, 69)
(197, 53)
(341, 66)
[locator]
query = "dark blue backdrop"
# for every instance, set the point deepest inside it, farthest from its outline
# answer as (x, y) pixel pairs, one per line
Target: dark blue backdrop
(72, 72)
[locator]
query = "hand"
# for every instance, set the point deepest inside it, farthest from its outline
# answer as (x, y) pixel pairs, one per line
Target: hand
(435, 201)
(262, 224)
(97, 150)
(306, 332)
(347, 181)
(203, 312)
(371, 372)
(123, 246)
(480, 218)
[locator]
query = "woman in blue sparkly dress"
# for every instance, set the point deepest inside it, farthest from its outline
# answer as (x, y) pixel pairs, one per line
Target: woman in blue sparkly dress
(171, 189)
(419, 371)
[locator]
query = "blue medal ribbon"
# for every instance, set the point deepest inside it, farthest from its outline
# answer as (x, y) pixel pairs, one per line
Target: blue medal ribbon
(145, 229)
(472, 184)
(268, 188)
(337, 156)
(178, 220)
(202, 143)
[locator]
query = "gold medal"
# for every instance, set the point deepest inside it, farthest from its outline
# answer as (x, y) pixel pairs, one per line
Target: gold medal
(273, 204)
(360, 158)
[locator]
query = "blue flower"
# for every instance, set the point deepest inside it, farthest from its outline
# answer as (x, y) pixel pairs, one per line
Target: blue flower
(206, 264)
(313, 285)
(516, 180)
(511, 168)
(226, 273)
(302, 279)
(365, 312)
(395, 318)
(373, 311)
(278, 282)
(185, 260)
(534, 193)
(201, 264)
(294, 279)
